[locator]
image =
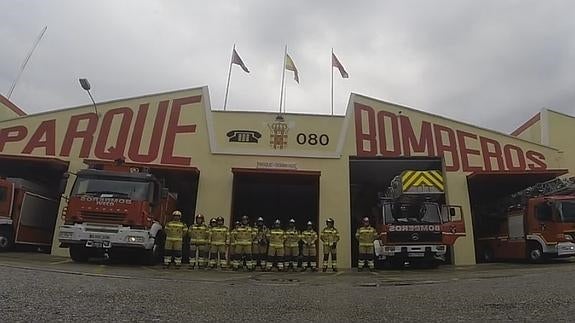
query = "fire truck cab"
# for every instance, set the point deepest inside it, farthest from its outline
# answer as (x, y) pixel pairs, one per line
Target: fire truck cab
(416, 227)
(533, 224)
(117, 210)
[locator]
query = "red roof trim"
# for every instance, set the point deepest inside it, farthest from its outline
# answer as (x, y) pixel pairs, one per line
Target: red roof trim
(526, 125)
(12, 106)
(275, 171)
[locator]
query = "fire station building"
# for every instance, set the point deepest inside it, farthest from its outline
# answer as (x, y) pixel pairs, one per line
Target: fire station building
(300, 166)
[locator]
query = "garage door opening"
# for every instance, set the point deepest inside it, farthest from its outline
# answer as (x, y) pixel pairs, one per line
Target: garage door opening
(488, 193)
(276, 194)
(30, 191)
(369, 179)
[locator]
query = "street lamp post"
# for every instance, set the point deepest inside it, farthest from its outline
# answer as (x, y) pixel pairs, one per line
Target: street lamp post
(86, 86)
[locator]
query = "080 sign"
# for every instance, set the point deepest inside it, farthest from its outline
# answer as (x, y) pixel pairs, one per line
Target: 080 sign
(312, 139)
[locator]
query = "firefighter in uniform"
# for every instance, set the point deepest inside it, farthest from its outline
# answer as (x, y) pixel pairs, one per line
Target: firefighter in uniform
(309, 238)
(199, 242)
(276, 237)
(232, 251)
(219, 240)
(243, 249)
(329, 236)
(260, 243)
(291, 244)
(365, 235)
(175, 232)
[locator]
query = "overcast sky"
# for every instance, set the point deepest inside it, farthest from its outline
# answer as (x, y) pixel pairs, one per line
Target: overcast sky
(491, 63)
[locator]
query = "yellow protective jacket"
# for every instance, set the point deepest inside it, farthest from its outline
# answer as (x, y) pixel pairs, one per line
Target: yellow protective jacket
(292, 238)
(276, 237)
(219, 236)
(260, 235)
(199, 234)
(329, 235)
(366, 236)
(309, 237)
(244, 236)
(175, 230)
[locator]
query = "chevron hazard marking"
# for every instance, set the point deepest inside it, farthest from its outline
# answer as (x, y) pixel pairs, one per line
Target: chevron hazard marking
(419, 178)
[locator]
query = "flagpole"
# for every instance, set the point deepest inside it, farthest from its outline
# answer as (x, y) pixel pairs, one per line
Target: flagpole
(229, 75)
(283, 78)
(331, 59)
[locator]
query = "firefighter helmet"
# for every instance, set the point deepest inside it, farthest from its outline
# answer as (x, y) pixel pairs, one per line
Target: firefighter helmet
(309, 223)
(212, 221)
(277, 223)
(292, 221)
(245, 219)
(177, 213)
(200, 218)
(220, 220)
(330, 220)
(237, 223)
(260, 219)
(365, 220)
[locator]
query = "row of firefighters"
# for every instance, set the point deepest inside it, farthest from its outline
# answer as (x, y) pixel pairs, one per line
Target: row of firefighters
(259, 246)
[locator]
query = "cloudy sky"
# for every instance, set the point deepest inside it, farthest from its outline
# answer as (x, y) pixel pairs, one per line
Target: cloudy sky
(491, 63)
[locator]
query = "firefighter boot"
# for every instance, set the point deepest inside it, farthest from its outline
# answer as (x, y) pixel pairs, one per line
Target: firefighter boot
(167, 261)
(325, 262)
(334, 263)
(178, 262)
(193, 262)
(313, 264)
(371, 265)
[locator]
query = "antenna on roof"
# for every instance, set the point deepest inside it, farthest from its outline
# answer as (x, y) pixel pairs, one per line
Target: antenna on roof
(26, 61)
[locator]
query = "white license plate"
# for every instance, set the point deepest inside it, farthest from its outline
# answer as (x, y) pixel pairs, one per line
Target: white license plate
(416, 254)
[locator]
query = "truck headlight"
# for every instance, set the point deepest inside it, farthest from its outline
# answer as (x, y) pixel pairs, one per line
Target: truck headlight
(66, 235)
(135, 239)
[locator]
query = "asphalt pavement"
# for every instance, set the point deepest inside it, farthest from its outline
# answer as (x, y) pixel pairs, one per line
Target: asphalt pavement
(43, 288)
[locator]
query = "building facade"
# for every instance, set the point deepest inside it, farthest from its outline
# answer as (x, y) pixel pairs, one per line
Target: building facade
(314, 166)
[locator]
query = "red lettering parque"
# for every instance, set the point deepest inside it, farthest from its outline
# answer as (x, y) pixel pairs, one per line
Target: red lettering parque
(461, 150)
(107, 144)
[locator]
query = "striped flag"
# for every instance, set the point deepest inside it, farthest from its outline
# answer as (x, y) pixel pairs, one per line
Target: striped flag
(335, 63)
(238, 61)
(290, 66)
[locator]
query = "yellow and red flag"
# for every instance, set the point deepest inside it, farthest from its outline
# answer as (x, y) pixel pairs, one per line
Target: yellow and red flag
(290, 66)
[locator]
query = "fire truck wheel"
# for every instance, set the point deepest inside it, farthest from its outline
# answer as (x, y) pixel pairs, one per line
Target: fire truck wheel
(488, 255)
(151, 257)
(5, 239)
(79, 254)
(535, 253)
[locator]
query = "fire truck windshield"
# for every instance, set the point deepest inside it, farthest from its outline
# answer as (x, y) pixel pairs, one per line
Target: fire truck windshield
(412, 213)
(118, 188)
(567, 211)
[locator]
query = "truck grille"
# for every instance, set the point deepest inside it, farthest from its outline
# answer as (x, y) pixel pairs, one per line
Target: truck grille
(410, 237)
(101, 217)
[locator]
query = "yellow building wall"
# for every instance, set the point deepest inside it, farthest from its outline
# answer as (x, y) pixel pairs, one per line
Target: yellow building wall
(9, 110)
(558, 134)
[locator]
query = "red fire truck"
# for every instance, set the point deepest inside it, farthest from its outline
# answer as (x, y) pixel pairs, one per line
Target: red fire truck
(535, 223)
(28, 213)
(116, 209)
(416, 228)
